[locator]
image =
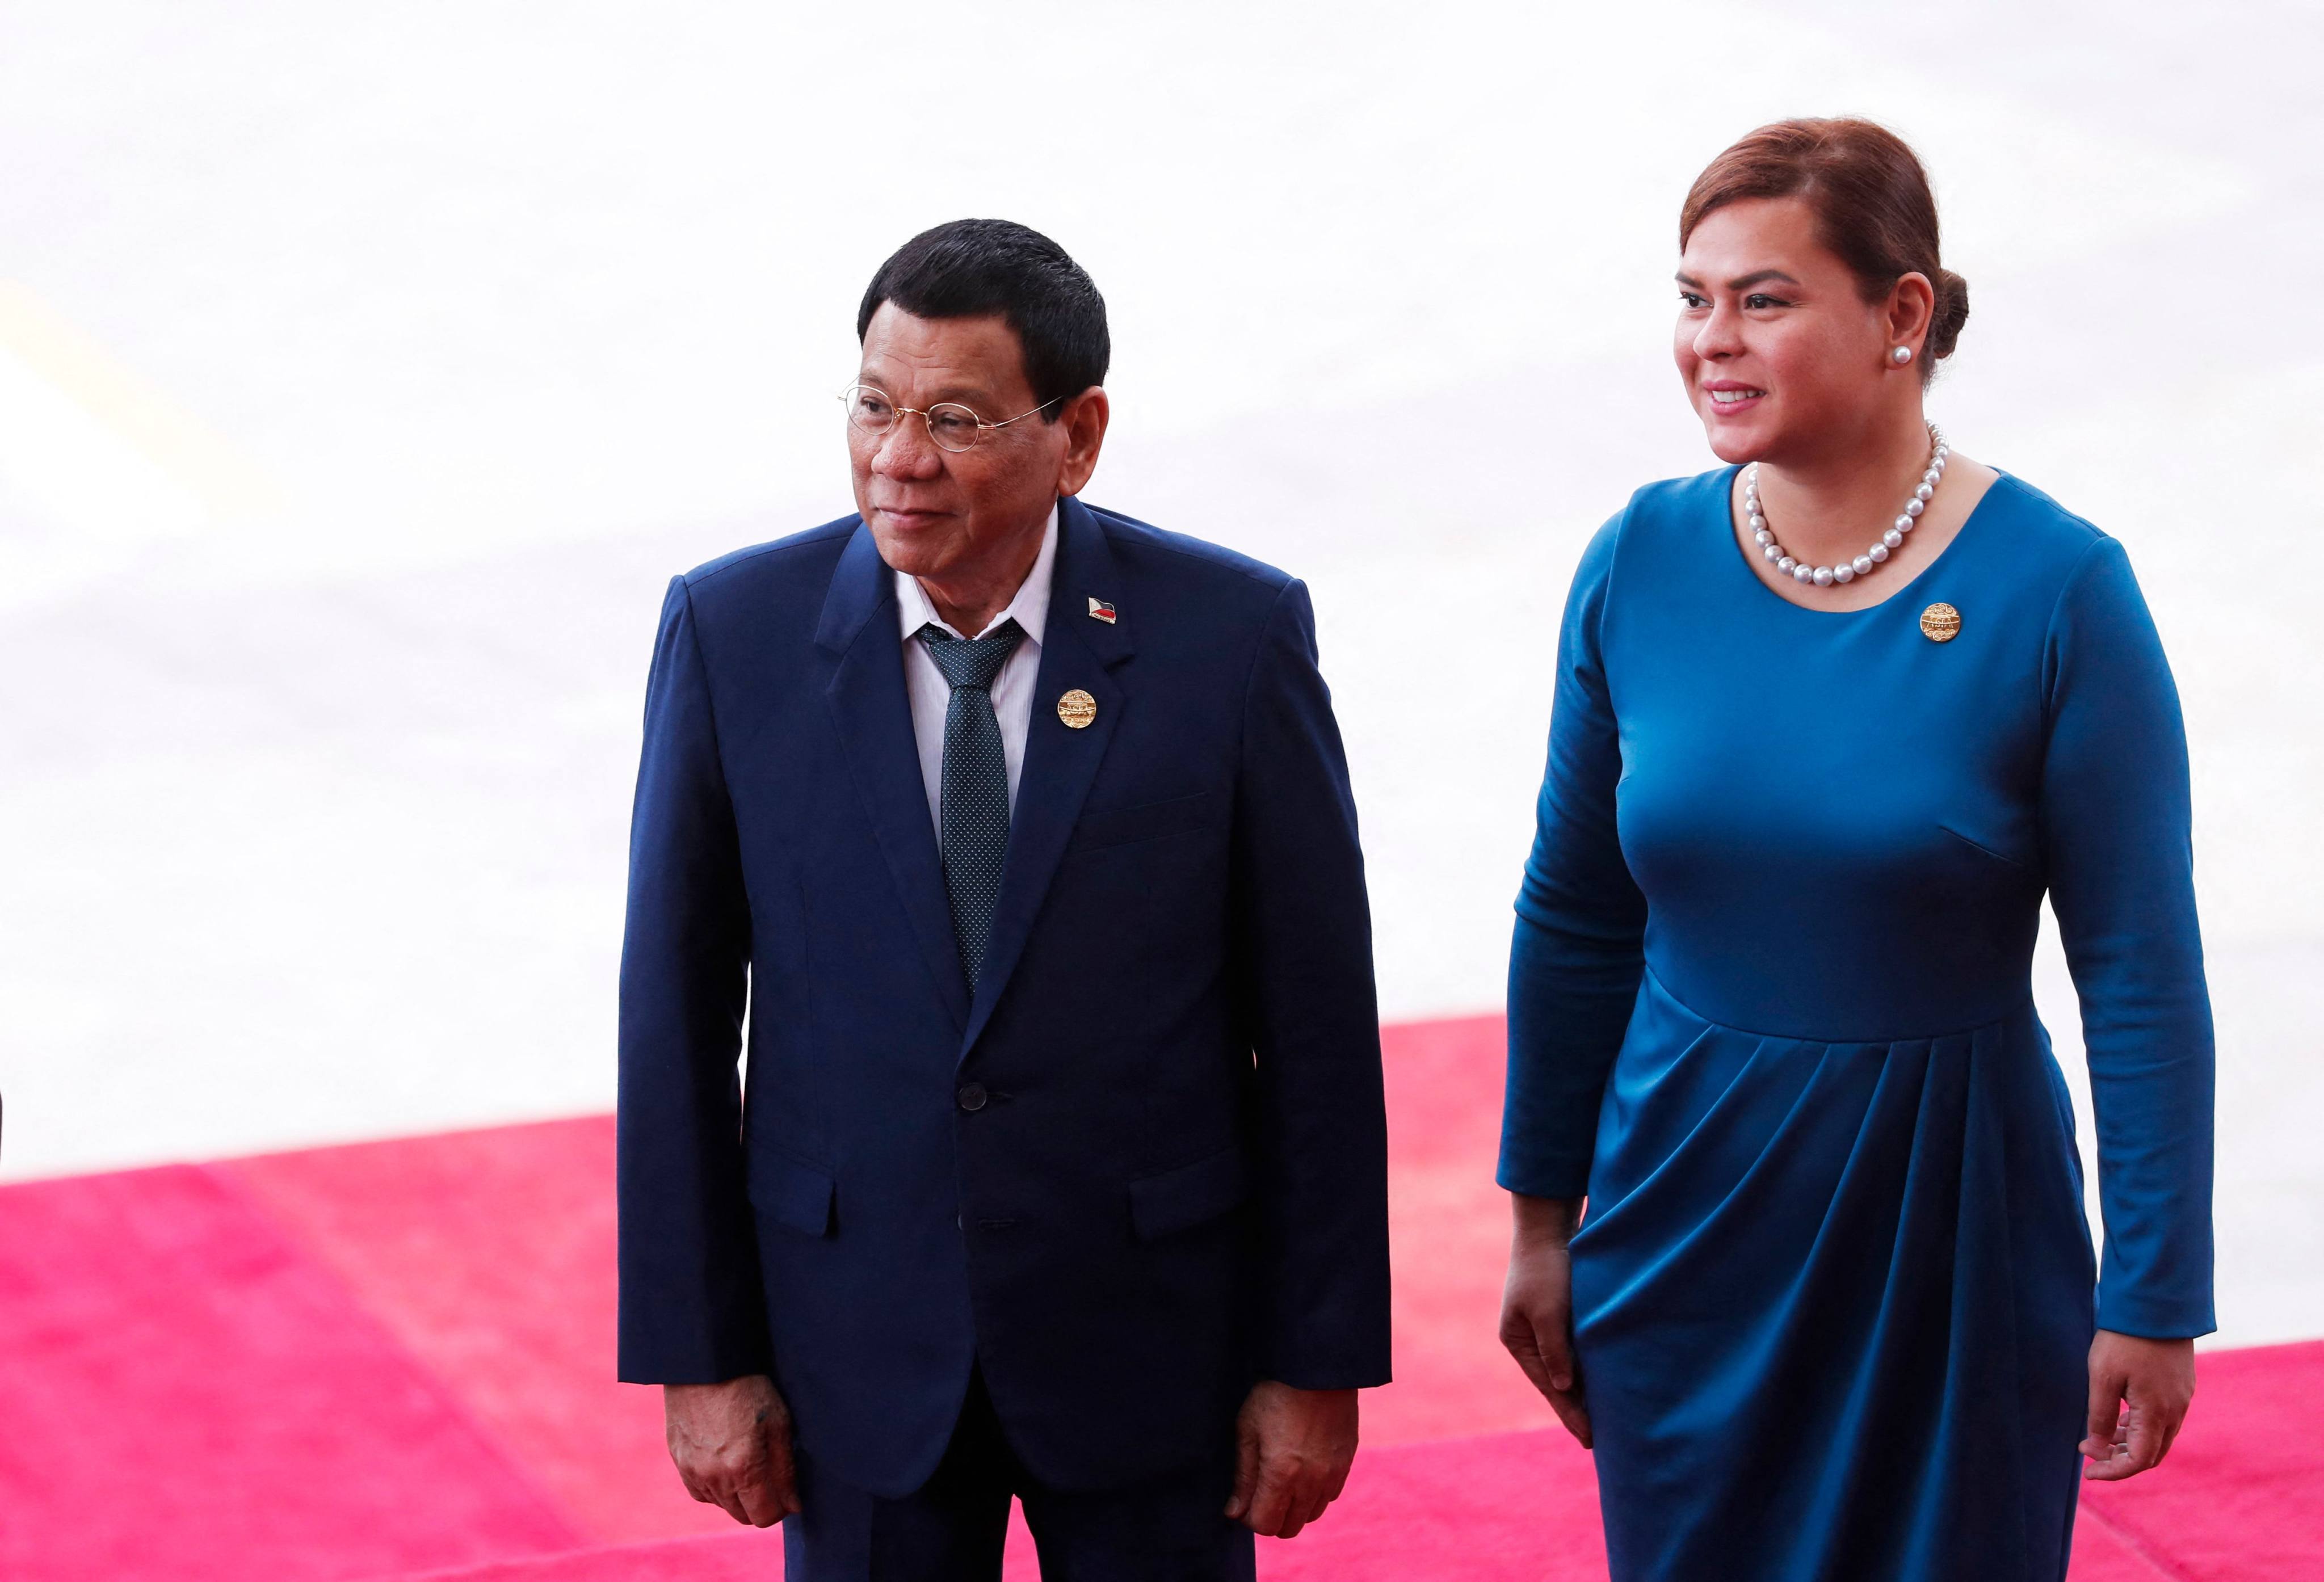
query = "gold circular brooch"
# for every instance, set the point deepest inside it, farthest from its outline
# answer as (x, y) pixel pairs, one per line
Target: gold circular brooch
(1940, 623)
(1077, 709)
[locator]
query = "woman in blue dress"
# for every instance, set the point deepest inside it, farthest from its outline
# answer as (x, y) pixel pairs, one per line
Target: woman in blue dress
(1830, 723)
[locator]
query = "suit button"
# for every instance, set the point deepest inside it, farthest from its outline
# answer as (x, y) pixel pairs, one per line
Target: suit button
(973, 1096)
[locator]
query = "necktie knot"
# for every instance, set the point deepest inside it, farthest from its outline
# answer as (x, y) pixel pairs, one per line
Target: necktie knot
(971, 662)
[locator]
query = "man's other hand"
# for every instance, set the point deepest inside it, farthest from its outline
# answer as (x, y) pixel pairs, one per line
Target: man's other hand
(1293, 1451)
(731, 1443)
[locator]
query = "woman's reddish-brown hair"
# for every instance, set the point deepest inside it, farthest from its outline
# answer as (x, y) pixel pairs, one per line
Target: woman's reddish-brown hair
(1871, 197)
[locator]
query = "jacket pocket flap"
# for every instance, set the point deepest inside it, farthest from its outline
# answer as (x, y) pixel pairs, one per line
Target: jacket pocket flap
(1149, 821)
(1180, 1199)
(791, 1193)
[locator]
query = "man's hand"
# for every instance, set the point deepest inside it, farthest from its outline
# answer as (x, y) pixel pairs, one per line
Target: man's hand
(2139, 1392)
(1293, 1449)
(731, 1443)
(1538, 1306)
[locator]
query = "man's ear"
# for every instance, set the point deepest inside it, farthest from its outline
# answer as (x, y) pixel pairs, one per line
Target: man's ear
(1084, 420)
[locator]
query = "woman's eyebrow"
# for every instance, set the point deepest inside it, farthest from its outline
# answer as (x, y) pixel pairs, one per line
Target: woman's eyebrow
(1741, 282)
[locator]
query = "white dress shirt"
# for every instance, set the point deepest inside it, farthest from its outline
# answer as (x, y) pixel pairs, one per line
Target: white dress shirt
(1012, 689)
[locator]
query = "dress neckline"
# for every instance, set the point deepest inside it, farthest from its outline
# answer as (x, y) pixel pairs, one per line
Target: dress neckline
(1741, 564)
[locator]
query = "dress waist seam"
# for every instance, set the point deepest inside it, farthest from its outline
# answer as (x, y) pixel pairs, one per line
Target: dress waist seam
(1662, 985)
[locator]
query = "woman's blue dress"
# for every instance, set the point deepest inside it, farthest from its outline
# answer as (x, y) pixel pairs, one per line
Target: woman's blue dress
(1770, 1008)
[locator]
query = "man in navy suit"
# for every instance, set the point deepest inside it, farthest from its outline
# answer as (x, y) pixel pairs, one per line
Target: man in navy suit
(1023, 831)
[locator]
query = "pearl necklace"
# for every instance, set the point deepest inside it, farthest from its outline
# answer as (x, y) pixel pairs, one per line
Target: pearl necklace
(1846, 571)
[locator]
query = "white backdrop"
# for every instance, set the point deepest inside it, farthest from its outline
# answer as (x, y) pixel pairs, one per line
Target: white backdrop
(365, 371)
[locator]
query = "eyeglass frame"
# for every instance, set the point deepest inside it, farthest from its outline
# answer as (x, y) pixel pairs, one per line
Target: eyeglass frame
(903, 411)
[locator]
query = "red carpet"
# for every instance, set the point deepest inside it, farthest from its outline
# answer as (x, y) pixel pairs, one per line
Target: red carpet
(491, 1255)
(184, 1395)
(393, 1360)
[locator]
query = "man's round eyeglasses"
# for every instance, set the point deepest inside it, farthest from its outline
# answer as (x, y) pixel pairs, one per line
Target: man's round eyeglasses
(952, 426)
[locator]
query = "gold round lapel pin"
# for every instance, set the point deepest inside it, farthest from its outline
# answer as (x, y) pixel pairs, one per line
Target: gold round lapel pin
(1077, 709)
(1940, 623)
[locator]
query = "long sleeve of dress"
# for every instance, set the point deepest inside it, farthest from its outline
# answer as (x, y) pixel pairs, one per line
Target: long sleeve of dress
(1577, 957)
(2115, 829)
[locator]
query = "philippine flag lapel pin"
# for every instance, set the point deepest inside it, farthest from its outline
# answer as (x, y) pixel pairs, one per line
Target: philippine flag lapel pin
(1101, 610)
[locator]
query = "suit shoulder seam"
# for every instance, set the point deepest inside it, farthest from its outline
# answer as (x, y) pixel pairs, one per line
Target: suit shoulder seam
(812, 539)
(1109, 522)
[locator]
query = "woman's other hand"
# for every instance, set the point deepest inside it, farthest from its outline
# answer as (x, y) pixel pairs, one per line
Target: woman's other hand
(2139, 1392)
(1537, 1305)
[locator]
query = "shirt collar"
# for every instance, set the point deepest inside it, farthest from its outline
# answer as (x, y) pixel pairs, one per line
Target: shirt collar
(1030, 609)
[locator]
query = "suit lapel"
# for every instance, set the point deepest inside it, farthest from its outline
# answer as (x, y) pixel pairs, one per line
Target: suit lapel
(873, 717)
(1077, 653)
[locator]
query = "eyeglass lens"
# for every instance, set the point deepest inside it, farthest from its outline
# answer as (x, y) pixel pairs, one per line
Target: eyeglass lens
(950, 425)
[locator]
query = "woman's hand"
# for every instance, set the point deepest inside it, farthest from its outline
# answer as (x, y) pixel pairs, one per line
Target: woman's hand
(2139, 1391)
(1538, 1306)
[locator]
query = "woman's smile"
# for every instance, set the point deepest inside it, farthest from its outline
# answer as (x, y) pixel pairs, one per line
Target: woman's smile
(1728, 397)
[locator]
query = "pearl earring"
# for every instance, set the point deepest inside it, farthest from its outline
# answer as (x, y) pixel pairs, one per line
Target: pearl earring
(1901, 355)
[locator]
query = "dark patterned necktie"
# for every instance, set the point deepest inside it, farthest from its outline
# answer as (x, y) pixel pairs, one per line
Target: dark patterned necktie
(974, 825)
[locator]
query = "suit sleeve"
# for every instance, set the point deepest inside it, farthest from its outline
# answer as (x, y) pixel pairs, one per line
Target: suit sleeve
(1304, 946)
(2115, 817)
(692, 1311)
(1578, 954)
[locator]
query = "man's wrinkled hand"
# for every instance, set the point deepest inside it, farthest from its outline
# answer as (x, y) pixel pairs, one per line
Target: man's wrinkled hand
(732, 1444)
(1292, 1450)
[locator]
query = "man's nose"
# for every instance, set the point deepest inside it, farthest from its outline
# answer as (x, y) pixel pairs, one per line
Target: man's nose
(906, 451)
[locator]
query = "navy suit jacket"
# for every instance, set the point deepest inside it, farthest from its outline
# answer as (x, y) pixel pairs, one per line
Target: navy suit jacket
(1144, 1165)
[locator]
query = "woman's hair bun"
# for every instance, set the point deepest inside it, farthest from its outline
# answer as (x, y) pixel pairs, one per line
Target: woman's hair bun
(1951, 312)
